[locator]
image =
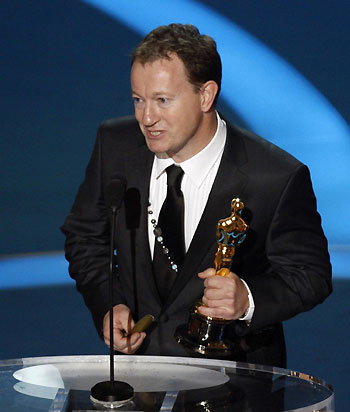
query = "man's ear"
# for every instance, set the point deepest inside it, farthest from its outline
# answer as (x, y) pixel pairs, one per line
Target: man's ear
(208, 92)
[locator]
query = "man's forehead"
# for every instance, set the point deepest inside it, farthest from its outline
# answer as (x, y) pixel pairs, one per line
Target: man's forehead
(161, 70)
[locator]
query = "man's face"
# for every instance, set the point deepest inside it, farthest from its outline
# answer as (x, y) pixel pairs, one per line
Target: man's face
(168, 109)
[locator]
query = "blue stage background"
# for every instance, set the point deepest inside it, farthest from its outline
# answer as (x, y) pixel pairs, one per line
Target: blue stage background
(65, 67)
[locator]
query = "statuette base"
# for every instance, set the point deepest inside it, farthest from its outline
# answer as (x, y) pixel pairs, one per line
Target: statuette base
(205, 336)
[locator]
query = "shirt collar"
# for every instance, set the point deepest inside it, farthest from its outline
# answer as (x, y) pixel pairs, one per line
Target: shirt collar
(197, 167)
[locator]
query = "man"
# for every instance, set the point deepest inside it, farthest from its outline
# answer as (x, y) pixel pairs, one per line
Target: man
(280, 270)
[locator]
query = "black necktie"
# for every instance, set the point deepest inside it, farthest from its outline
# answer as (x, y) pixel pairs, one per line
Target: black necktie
(169, 249)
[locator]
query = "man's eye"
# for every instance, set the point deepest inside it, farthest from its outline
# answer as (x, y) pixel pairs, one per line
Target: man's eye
(136, 100)
(163, 100)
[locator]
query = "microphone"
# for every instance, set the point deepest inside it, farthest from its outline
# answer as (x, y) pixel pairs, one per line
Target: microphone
(112, 393)
(115, 191)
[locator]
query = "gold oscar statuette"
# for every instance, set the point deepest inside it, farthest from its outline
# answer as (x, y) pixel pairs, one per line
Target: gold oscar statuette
(203, 334)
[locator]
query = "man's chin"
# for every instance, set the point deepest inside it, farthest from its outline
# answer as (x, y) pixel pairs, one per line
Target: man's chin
(162, 155)
(158, 151)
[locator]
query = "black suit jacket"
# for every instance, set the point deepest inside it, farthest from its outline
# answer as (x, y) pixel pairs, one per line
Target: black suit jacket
(284, 258)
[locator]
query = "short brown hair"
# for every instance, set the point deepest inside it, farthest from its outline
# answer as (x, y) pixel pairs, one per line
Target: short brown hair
(197, 51)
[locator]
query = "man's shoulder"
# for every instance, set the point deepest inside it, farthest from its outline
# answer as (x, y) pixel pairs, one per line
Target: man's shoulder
(124, 131)
(259, 149)
(119, 123)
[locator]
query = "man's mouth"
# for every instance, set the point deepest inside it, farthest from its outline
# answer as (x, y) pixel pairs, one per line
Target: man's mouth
(153, 133)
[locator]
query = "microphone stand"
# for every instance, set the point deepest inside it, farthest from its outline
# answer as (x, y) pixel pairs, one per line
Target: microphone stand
(111, 393)
(111, 288)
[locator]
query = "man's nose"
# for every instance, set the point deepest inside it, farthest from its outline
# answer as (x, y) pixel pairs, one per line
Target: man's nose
(150, 115)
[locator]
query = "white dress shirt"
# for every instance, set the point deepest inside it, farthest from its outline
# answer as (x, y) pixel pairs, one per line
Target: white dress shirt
(199, 174)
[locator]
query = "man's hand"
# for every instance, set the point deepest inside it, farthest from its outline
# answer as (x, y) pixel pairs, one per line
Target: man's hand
(224, 297)
(123, 323)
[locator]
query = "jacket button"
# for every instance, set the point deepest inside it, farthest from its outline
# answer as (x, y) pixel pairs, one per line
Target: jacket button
(164, 318)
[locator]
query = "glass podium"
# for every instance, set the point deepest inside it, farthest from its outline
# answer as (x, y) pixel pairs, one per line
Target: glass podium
(63, 383)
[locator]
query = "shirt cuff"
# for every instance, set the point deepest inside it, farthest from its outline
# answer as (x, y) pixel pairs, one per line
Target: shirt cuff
(248, 315)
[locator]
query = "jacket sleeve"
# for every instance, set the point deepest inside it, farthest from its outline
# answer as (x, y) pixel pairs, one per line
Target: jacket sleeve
(297, 273)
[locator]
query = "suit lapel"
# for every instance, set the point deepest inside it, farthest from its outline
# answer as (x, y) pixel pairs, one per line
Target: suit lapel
(229, 183)
(138, 172)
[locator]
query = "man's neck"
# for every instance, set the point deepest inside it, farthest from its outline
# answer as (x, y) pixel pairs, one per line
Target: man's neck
(204, 136)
